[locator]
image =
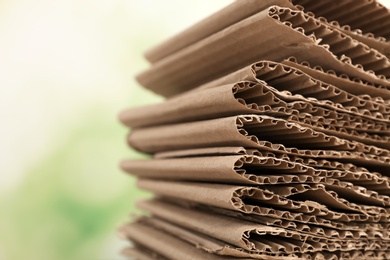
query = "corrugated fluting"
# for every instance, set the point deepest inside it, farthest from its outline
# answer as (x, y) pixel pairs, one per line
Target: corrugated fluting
(273, 142)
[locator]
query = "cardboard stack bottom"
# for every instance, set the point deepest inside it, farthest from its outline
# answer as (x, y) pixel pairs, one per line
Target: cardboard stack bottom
(274, 140)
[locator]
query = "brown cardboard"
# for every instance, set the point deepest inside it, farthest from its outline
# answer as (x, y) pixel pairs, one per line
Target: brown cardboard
(202, 242)
(211, 244)
(225, 132)
(223, 151)
(340, 44)
(226, 169)
(162, 243)
(337, 160)
(364, 255)
(378, 43)
(235, 197)
(245, 234)
(275, 141)
(249, 98)
(241, 131)
(231, 14)
(283, 216)
(276, 76)
(213, 151)
(365, 15)
(212, 57)
(206, 104)
(184, 216)
(240, 10)
(352, 85)
(246, 97)
(254, 170)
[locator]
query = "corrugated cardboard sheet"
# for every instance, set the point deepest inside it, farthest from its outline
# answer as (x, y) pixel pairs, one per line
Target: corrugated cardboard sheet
(274, 140)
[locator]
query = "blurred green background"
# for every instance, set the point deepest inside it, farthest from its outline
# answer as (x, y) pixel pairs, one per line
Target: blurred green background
(66, 70)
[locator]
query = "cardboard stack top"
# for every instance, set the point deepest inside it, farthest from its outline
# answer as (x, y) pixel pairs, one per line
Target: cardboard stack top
(274, 140)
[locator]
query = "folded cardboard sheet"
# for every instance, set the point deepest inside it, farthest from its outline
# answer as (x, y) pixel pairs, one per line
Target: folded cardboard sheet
(255, 170)
(333, 11)
(201, 221)
(353, 85)
(274, 140)
(163, 244)
(218, 247)
(310, 199)
(332, 161)
(297, 34)
(243, 130)
(248, 238)
(367, 16)
(293, 96)
(277, 85)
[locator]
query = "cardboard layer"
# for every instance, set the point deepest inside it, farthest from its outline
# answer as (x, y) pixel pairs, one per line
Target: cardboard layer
(365, 15)
(282, 217)
(203, 243)
(326, 159)
(275, 140)
(291, 81)
(245, 234)
(330, 163)
(211, 244)
(353, 85)
(271, 94)
(226, 169)
(341, 44)
(204, 221)
(250, 200)
(162, 243)
(231, 14)
(364, 255)
(253, 170)
(240, 10)
(245, 98)
(378, 43)
(215, 246)
(213, 151)
(213, 57)
(342, 111)
(225, 132)
(244, 131)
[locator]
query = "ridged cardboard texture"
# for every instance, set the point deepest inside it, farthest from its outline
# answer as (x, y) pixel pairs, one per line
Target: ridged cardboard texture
(274, 140)
(297, 34)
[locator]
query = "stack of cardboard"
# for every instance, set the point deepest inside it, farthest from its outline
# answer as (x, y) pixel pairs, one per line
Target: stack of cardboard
(274, 140)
